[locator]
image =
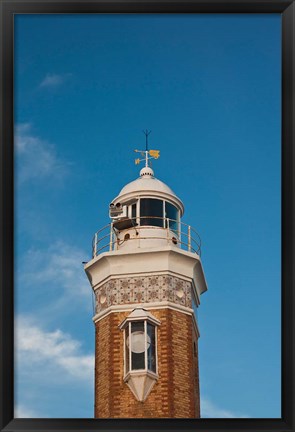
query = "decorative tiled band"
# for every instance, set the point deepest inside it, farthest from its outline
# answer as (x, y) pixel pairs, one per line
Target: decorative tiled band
(144, 289)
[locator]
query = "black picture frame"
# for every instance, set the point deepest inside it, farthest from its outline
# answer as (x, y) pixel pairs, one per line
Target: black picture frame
(10, 7)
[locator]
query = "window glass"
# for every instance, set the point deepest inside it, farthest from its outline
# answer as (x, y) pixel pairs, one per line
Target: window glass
(172, 214)
(152, 208)
(151, 354)
(137, 345)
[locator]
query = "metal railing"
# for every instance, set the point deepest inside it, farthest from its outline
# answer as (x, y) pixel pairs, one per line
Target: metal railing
(177, 233)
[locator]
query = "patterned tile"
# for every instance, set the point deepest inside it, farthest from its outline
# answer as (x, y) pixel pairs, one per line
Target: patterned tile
(144, 289)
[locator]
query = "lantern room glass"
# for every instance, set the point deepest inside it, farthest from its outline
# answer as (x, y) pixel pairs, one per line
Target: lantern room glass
(171, 213)
(154, 211)
(151, 212)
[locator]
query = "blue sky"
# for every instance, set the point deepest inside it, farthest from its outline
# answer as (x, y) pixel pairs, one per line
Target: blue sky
(208, 86)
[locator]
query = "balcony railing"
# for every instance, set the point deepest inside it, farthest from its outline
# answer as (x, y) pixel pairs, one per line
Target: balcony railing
(176, 233)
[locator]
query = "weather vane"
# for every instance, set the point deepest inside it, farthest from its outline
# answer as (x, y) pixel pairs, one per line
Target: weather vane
(147, 154)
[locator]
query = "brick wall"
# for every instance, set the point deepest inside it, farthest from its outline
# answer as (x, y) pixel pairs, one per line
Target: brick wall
(175, 395)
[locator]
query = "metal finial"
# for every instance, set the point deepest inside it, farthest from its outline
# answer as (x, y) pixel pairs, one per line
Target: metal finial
(146, 132)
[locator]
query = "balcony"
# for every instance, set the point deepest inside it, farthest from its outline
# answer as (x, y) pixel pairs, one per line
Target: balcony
(150, 229)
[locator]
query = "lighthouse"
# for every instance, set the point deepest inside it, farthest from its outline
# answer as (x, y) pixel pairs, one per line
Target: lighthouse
(147, 278)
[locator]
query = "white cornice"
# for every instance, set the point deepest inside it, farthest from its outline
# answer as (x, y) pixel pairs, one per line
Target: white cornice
(154, 260)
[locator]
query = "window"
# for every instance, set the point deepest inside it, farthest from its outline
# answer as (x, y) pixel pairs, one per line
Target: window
(154, 209)
(140, 352)
(151, 213)
(133, 211)
(136, 346)
(140, 341)
(171, 213)
(140, 348)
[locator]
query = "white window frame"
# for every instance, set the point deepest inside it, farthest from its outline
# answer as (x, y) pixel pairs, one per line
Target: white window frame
(146, 369)
(126, 324)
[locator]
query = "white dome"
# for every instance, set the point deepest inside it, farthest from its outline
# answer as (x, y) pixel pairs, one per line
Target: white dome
(148, 186)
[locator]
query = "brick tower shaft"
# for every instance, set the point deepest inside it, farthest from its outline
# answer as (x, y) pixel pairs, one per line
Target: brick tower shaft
(176, 393)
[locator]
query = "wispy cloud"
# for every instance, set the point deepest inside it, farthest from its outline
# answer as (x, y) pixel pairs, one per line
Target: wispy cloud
(210, 410)
(52, 80)
(58, 267)
(35, 157)
(22, 411)
(44, 350)
(49, 366)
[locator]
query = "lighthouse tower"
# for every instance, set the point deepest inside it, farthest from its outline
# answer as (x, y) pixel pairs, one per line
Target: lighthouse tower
(147, 278)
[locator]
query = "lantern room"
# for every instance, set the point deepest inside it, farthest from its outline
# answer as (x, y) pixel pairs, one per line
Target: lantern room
(146, 213)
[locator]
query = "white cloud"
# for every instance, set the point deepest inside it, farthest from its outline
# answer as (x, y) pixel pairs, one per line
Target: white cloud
(21, 411)
(22, 128)
(51, 367)
(40, 351)
(36, 158)
(54, 80)
(58, 265)
(210, 410)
